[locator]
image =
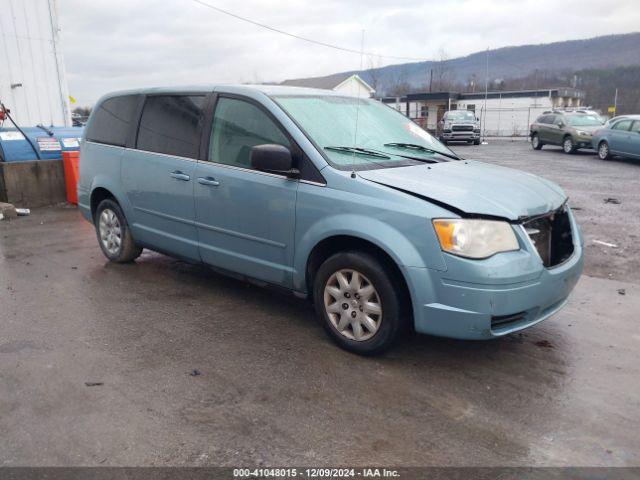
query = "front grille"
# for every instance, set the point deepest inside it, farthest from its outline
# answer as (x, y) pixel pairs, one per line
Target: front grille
(551, 236)
(462, 128)
(499, 321)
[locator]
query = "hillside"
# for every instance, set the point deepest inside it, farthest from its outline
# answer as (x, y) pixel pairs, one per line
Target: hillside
(509, 62)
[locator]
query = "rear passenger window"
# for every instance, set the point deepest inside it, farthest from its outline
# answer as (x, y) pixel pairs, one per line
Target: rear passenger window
(622, 125)
(112, 120)
(171, 124)
(238, 126)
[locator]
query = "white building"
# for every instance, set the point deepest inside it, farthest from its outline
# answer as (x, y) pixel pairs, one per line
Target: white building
(349, 84)
(33, 83)
(507, 113)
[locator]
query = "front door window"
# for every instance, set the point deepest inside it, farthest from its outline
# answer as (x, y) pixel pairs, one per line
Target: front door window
(237, 127)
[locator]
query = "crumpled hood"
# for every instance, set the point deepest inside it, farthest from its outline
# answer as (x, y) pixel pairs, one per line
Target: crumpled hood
(475, 188)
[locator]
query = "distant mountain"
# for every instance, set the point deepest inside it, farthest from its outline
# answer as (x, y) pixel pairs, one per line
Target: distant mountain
(509, 62)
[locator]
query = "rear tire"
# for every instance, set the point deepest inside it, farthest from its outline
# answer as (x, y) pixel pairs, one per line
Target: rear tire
(114, 235)
(358, 302)
(603, 151)
(535, 142)
(567, 145)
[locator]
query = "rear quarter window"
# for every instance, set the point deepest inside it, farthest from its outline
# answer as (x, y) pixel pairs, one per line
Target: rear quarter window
(112, 120)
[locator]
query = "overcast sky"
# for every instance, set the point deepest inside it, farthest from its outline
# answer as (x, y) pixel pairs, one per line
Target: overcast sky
(116, 44)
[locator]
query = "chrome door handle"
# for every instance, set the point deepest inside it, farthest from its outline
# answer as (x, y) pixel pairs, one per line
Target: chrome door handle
(178, 175)
(208, 181)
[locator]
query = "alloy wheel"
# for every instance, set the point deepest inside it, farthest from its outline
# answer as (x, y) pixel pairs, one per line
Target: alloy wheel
(535, 141)
(352, 305)
(603, 151)
(110, 231)
(567, 145)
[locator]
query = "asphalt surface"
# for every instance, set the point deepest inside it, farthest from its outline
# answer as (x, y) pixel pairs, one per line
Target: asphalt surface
(270, 389)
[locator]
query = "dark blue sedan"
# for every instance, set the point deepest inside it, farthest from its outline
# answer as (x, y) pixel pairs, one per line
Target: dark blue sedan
(619, 137)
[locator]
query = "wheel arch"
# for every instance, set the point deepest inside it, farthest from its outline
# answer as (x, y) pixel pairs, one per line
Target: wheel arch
(347, 242)
(103, 187)
(98, 195)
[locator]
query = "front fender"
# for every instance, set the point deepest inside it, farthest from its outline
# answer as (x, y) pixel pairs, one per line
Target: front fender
(381, 234)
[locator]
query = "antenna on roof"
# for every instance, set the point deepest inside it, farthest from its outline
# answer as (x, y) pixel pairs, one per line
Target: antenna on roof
(355, 130)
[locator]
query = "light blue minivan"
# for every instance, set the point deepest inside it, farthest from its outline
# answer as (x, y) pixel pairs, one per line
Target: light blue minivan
(338, 199)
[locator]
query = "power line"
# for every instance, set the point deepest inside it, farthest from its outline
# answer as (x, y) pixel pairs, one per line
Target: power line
(305, 39)
(339, 47)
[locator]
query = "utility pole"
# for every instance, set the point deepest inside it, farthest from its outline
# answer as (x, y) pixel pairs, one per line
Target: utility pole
(430, 79)
(486, 95)
(535, 98)
(615, 103)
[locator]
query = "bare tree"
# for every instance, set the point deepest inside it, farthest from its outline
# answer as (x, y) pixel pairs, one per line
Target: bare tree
(443, 75)
(472, 83)
(82, 111)
(400, 85)
(374, 74)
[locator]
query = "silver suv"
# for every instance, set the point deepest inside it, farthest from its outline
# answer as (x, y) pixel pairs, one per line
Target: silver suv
(459, 126)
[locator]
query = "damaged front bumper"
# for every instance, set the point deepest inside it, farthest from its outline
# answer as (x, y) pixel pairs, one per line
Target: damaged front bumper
(482, 299)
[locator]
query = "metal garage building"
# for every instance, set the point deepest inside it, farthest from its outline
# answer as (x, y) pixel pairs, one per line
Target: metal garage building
(32, 77)
(507, 113)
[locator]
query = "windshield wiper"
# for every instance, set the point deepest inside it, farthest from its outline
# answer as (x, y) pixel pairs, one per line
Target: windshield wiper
(358, 151)
(414, 146)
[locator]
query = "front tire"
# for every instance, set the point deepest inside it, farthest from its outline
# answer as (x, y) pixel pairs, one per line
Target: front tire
(114, 235)
(603, 151)
(567, 145)
(535, 142)
(358, 303)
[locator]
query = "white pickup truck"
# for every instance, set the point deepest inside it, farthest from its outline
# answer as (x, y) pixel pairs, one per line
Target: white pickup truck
(459, 126)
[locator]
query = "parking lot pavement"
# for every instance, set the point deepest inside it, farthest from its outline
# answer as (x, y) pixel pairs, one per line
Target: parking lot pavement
(269, 388)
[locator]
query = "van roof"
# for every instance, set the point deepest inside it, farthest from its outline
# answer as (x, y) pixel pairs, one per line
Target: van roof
(229, 88)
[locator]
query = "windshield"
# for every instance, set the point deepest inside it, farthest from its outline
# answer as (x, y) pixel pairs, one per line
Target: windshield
(465, 115)
(385, 138)
(584, 120)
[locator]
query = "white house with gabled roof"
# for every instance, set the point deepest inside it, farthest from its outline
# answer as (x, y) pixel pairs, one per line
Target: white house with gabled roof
(349, 84)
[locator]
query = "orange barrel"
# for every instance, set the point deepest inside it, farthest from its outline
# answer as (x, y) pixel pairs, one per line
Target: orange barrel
(70, 162)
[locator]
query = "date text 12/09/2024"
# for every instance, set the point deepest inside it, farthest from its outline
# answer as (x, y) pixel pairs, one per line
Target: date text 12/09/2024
(315, 472)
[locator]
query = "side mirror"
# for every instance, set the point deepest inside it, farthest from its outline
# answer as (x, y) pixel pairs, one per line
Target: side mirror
(477, 119)
(561, 125)
(273, 158)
